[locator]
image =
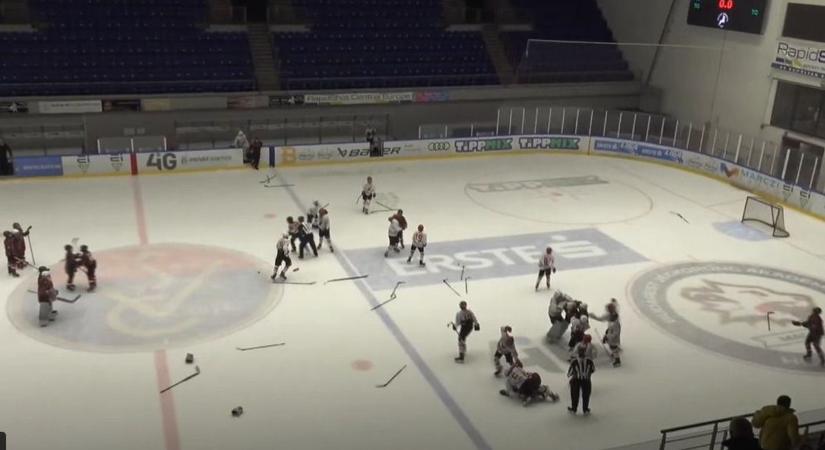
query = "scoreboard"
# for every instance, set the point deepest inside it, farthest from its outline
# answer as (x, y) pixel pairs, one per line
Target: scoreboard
(735, 15)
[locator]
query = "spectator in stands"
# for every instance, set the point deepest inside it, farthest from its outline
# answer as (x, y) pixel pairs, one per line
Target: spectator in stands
(779, 425)
(255, 152)
(242, 142)
(741, 436)
(6, 159)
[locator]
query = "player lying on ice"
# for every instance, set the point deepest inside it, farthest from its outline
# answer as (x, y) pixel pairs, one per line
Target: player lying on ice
(526, 386)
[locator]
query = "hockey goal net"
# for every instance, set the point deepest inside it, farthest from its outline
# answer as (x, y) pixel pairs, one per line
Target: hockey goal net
(770, 214)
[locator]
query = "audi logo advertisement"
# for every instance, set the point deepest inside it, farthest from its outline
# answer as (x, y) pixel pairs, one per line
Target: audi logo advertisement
(439, 146)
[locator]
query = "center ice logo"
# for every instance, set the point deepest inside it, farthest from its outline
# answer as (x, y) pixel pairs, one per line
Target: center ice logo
(152, 297)
(725, 308)
(495, 257)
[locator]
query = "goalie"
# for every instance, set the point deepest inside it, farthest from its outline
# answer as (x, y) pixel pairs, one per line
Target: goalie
(526, 386)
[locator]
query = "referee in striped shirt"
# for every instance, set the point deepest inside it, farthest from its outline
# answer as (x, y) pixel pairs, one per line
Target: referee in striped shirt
(580, 371)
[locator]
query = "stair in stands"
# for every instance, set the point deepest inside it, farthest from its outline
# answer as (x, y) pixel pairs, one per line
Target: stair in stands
(260, 44)
(495, 49)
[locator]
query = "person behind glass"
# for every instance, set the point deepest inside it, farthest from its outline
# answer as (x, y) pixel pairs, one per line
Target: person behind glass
(255, 152)
(741, 436)
(580, 370)
(6, 159)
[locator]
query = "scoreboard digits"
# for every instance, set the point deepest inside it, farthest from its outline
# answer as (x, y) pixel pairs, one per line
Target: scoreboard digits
(734, 15)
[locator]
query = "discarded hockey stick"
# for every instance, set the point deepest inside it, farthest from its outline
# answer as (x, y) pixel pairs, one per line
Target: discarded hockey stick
(768, 316)
(462, 273)
(268, 179)
(346, 279)
(385, 206)
(680, 216)
(373, 211)
(396, 288)
(31, 249)
(62, 299)
(451, 288)
(383, 303)
(197, 372)
(299, 283)
(243, 349)
(392, 378)
(467, 285)
(278, 185)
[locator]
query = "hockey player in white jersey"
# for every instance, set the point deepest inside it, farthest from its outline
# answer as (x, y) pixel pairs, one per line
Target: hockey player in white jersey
(392, 232)
(465, 323)
(547, 265)
(526, 386)
(282, 257)
(579, 324)
(558, 323)
(313, 214)
(613, 335)
(323, 229)
(506, 347)
(586, 343)
(367, 194)
(419, 241)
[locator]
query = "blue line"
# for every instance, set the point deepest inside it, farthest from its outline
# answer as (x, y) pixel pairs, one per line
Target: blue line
(436, 385)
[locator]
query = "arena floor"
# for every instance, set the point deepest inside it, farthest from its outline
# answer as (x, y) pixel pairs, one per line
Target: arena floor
(184, 264)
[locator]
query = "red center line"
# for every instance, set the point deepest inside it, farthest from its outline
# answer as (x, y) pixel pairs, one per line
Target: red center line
(169, 421)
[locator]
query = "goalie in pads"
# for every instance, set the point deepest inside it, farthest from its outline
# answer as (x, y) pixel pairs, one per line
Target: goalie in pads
(526, 386)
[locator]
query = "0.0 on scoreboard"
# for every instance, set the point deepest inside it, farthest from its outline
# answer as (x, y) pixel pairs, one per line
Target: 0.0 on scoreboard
(734, 15)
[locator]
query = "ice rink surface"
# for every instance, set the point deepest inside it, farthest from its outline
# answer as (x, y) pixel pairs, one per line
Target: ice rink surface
(184, 265)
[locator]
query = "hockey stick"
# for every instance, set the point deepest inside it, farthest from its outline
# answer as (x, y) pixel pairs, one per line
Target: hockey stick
(197, 372)
(462, 273)
(466, 285)
(451, 288)
(383, 303)
(243, 349)
(599, 337)
(31, 249)
(268, 179)
(768, 315)
(299, 283)
(62, 299)
(278, 185)
(396, 287)
(346, 279)
(385, 206)
(393, 377)
(453, 326)
(680, 216)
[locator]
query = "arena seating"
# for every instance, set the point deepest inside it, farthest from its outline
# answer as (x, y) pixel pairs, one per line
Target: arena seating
(565, 20)
(122, 47)
(380, 43)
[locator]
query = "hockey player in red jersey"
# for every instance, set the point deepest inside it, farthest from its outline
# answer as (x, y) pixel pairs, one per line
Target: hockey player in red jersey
(90, 264)
(72, 262)
(19, 244)
(11, 259)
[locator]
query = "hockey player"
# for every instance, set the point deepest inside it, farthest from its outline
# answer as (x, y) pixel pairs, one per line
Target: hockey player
(579, 373)
(90, 264)
(613, 335)
(392, 233)
(579, 324)
(558, 323)
(46, 295)
(313, 214)
(323, 229)
(506, 347)
(367, 194)
(402, 221)
(71, 265)
(465, 323)
(292, 229)
(282, 257)
(11, 259)
(525, 385)
(586, 343)
(814, 337)
(305, 236)
(547, 265)
(418, 243)
(19, 244)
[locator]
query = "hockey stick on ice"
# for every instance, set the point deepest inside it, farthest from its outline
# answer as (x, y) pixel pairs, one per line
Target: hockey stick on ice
(466, 285)
(268, 179)
(243, 349)
(462, 273)
(392, 378)
(62, 299)
(768, 316)
(31, 249)
(396, 288)
(197, 372)
(298, 283)
(346, 279)
(451, 288)
(680, 216)
(383, 303)
(278, 185)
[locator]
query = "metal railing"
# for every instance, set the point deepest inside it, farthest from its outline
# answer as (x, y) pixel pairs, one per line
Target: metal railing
(709, 435)
(398, 81)
(283, 131)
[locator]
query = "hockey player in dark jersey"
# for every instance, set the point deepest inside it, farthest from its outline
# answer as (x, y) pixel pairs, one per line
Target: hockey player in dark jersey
(11, 258)
(90, 264)
(72, 262)
(465, 323)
